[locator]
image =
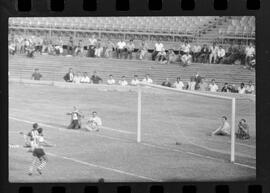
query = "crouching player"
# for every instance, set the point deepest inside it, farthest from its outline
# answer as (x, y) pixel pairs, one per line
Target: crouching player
(94, 123)
(224, 128)
(39, 155)
(75, 119)
(243, 130)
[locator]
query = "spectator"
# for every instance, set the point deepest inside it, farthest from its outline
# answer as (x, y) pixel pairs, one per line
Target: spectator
(225, 88)
(203, 85)
(249, 53)
(186, 59)
(197, 79)
(171, 56)
(191, 84)
(213, 53)
(158, 48)
(59, 46)
(224, 128)
(123, 81)
(242, 89)
(92, 46)
(130, 49)
(204, 54)
(161, 56)
(77, 78)
(135, 81)
(213, 87)
(69, 76)
(109, 49)
(220, 54)
(243, 130)
(11, 48)
(196, 51)
(85, 78)
(95, 79)
(79, 49)
(111, 81)
(147, 79)
(166, 83)
(36, 75)
(250, 89)
(121, 45)
(186, 48)
(143, 50)
(233, 89)
(70, 46)
(179, 84)
(99, 48)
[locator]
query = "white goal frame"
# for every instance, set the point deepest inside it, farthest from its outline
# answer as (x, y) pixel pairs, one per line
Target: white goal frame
(233, 108)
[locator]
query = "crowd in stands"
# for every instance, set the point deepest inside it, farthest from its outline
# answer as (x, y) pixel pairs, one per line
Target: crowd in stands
(196, 82)
(185, 54)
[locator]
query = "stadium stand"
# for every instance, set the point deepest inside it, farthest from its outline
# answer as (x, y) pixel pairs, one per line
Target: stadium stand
(54, 68)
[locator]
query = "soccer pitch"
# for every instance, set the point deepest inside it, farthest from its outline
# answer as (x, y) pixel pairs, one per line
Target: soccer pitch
(113, 153)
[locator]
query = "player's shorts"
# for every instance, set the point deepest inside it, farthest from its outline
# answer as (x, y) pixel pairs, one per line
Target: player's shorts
(38, 152)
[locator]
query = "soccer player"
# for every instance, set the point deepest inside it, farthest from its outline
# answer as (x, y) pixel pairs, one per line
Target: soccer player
(30, 136)
(243, 130)
(38, 153)
(75, 119)
(224, 128)
(94, 122)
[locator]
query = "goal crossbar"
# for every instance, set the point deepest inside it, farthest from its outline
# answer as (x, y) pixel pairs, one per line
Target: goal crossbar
(233, 110)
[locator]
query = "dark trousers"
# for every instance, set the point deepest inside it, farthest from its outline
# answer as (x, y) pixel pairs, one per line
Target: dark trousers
(74, 125)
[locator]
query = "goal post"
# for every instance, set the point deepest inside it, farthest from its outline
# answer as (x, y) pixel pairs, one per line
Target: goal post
(227, 98)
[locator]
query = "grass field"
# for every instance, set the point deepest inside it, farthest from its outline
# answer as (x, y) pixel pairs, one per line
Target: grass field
(113, 153)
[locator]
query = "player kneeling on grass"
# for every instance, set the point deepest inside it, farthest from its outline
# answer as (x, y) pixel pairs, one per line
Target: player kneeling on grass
(94, 123)
(75, 119)
(38, 153)
(243, 130)
(224, 128)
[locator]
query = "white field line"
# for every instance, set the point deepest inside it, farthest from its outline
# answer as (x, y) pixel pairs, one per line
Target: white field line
(145, 144)
(105, 168)
(94, 165)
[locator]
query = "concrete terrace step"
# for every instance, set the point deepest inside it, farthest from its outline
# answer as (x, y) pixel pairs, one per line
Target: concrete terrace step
(54, 67)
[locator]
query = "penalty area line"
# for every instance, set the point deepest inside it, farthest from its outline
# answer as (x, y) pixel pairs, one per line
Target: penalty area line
(105, 168)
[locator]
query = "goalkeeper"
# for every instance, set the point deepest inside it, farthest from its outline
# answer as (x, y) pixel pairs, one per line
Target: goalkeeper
(94, 123)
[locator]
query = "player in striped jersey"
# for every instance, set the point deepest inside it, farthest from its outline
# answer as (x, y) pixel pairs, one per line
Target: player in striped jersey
(39, 155)
(30, 136)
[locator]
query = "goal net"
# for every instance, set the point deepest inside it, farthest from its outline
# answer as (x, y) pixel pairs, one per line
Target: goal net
(185, 120)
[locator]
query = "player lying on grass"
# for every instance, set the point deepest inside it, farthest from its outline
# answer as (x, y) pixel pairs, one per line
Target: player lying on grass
(94, 123)
(39, 156)
(243, 130)
(75, 119)
(224, 128)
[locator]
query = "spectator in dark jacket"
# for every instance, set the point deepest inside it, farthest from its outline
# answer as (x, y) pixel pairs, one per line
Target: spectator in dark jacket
(95, 79)
(69, 76)
(166, 83)
(225, 88)
(36, 75)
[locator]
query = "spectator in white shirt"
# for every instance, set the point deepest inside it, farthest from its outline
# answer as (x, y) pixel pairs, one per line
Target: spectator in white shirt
(242, 89)
(123, 81)
(213, 87)
(111, 81)
(191, 84)
(92, 46)
(130, 49)
(220, 54)
(186, 59)
(143, 50)
(135, 81)
(147, 79)
(186, 48)
(85, 78)
(250, 89)
(77, 78)
(213, 53)
(178, 84)
(196, 50)
(158, 48)
(250, 52)
(121, 45)
(203, 85)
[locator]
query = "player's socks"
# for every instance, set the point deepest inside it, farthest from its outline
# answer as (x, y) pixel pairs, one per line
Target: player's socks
(41, 166)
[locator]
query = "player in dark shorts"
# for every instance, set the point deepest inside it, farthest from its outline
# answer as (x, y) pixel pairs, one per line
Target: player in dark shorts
(75, 119)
